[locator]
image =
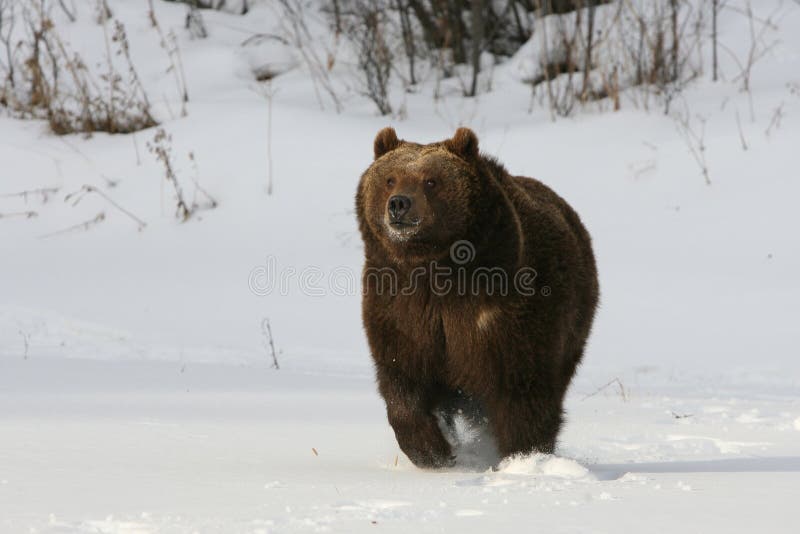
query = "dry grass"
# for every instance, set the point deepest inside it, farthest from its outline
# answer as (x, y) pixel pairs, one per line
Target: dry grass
(43, 79)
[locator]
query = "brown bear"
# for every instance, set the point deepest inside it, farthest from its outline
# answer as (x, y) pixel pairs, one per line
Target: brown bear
(477, 285)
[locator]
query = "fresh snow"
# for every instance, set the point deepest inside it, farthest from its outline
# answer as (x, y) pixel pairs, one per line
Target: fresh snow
(136, 393)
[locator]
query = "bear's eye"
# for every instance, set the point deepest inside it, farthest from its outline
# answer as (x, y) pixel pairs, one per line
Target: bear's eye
(430, 184)
(390, 182)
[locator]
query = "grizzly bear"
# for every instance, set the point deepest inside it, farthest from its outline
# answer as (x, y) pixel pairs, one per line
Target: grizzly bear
(477, 285)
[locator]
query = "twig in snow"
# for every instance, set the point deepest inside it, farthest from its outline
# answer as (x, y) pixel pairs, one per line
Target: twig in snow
(759, 46)
(616, 381)
(642, 167)
(741, 133)
(775, 122)
(195, 24)
(23, 214)
(695, 142)
(25, 340)
(546, 61)
(86, 189)
(258, 37)
(267, 91)
(268, 94)
(211, 202)
(714, 61)
(43, 192)
(70, 15)
(266, 330)
(136, 149)
(85, 225)
(110, 182)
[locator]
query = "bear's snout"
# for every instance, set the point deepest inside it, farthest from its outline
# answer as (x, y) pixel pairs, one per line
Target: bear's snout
(398, 206)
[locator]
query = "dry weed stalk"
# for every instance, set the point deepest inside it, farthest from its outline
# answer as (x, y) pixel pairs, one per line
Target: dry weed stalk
(161, 148)
(695, 141)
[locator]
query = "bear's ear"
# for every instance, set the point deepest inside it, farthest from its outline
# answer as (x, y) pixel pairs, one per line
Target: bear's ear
(385, 141)
(464, 143)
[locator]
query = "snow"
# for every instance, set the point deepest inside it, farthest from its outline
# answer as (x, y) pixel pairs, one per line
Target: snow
(542, 464)
(136, 394)
(178, 447)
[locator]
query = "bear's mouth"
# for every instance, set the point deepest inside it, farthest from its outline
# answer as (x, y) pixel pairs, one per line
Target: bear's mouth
(403, 229)
(403, 224)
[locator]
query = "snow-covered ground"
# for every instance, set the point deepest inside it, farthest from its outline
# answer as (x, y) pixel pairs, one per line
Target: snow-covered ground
(169, 447)
(136, 394)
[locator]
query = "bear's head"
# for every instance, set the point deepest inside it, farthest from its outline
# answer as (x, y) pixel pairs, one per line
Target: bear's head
(417, 200)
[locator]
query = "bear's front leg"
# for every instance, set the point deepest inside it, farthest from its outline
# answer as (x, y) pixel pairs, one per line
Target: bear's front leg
(409, 406)
(523, 423)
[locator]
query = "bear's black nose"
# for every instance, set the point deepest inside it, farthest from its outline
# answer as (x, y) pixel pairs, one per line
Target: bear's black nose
(398, 206)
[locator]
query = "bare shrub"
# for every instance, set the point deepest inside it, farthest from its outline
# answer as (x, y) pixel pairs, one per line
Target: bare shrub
(44, 79)
(169, 43)
(364, 26)
(7, 64)
(590, 54)
(403, 8)
(318, 56)
(581, 50)
(762, 38)
(664, 59)
(240, 7)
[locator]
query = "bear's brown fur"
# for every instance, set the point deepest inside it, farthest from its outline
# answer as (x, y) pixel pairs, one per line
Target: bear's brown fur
(434, 342)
